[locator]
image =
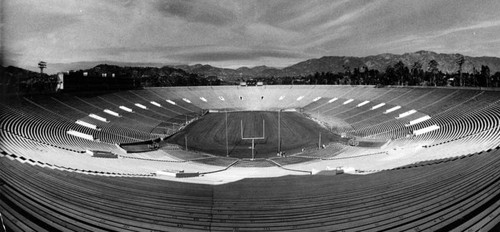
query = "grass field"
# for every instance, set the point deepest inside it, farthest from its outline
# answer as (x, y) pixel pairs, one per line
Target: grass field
(209, 134)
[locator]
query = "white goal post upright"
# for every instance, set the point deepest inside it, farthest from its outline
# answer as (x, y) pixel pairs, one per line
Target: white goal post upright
(254, 138)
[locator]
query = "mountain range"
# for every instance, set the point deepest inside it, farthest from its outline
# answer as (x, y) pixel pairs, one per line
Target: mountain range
(335, 64)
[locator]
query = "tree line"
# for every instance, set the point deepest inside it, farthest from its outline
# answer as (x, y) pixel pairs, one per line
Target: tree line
(397, 74)
(16, 80)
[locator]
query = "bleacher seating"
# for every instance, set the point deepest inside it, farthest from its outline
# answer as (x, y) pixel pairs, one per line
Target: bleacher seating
(434, 196)
(446, 179)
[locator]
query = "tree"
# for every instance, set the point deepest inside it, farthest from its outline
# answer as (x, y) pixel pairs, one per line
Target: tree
(347, 75)
(433, 68)
(364, 75)
(485, 75)
(347, 69)
(416, 72)
(316, 78)
(401, 72)
(460, 60)
(495, 79)
(373, 77)
(390, 76)
(355, 76)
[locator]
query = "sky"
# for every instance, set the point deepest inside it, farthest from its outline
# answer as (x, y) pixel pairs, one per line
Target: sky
(231, 34)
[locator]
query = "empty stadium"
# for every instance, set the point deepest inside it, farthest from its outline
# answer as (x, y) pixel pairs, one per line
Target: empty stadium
(357, 158)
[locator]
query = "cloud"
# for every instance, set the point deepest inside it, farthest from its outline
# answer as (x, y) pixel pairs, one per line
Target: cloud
(475, 26)
(298, 15)
(236, 54)
(334, 22)
(116, 51)
(197, 11)
(21, 23)
(348, 16)
(232, 32)
(428, 38)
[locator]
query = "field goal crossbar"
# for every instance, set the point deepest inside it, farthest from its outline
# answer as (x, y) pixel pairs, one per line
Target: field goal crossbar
(254, 138)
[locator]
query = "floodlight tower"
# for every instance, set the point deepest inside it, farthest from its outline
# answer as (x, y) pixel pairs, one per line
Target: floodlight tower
(227, 143)
(42, 65)
(279, 130)
(319, 141)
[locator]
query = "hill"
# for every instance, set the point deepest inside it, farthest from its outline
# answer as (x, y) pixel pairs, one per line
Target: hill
(337, 64)
(17, 80)
(22, 74)
(150, 76)
(231, 74)
(53, 68)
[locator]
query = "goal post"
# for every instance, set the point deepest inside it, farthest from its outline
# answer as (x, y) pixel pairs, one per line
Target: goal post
(253, 138)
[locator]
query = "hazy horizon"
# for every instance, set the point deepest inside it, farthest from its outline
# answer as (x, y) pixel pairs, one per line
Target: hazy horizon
(232, 34)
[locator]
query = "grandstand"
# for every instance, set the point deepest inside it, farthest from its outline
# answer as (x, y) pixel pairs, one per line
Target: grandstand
(368, 159)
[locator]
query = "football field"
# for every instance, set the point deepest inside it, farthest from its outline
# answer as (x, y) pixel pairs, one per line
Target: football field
(209, 134)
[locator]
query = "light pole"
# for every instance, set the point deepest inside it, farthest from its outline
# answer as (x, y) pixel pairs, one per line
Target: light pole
(319, 141)
(253, 149)
(279, 130)
(42, 65)
(227, 144)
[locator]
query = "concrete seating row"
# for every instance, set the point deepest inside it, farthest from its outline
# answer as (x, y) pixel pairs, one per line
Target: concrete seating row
(436, 196)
